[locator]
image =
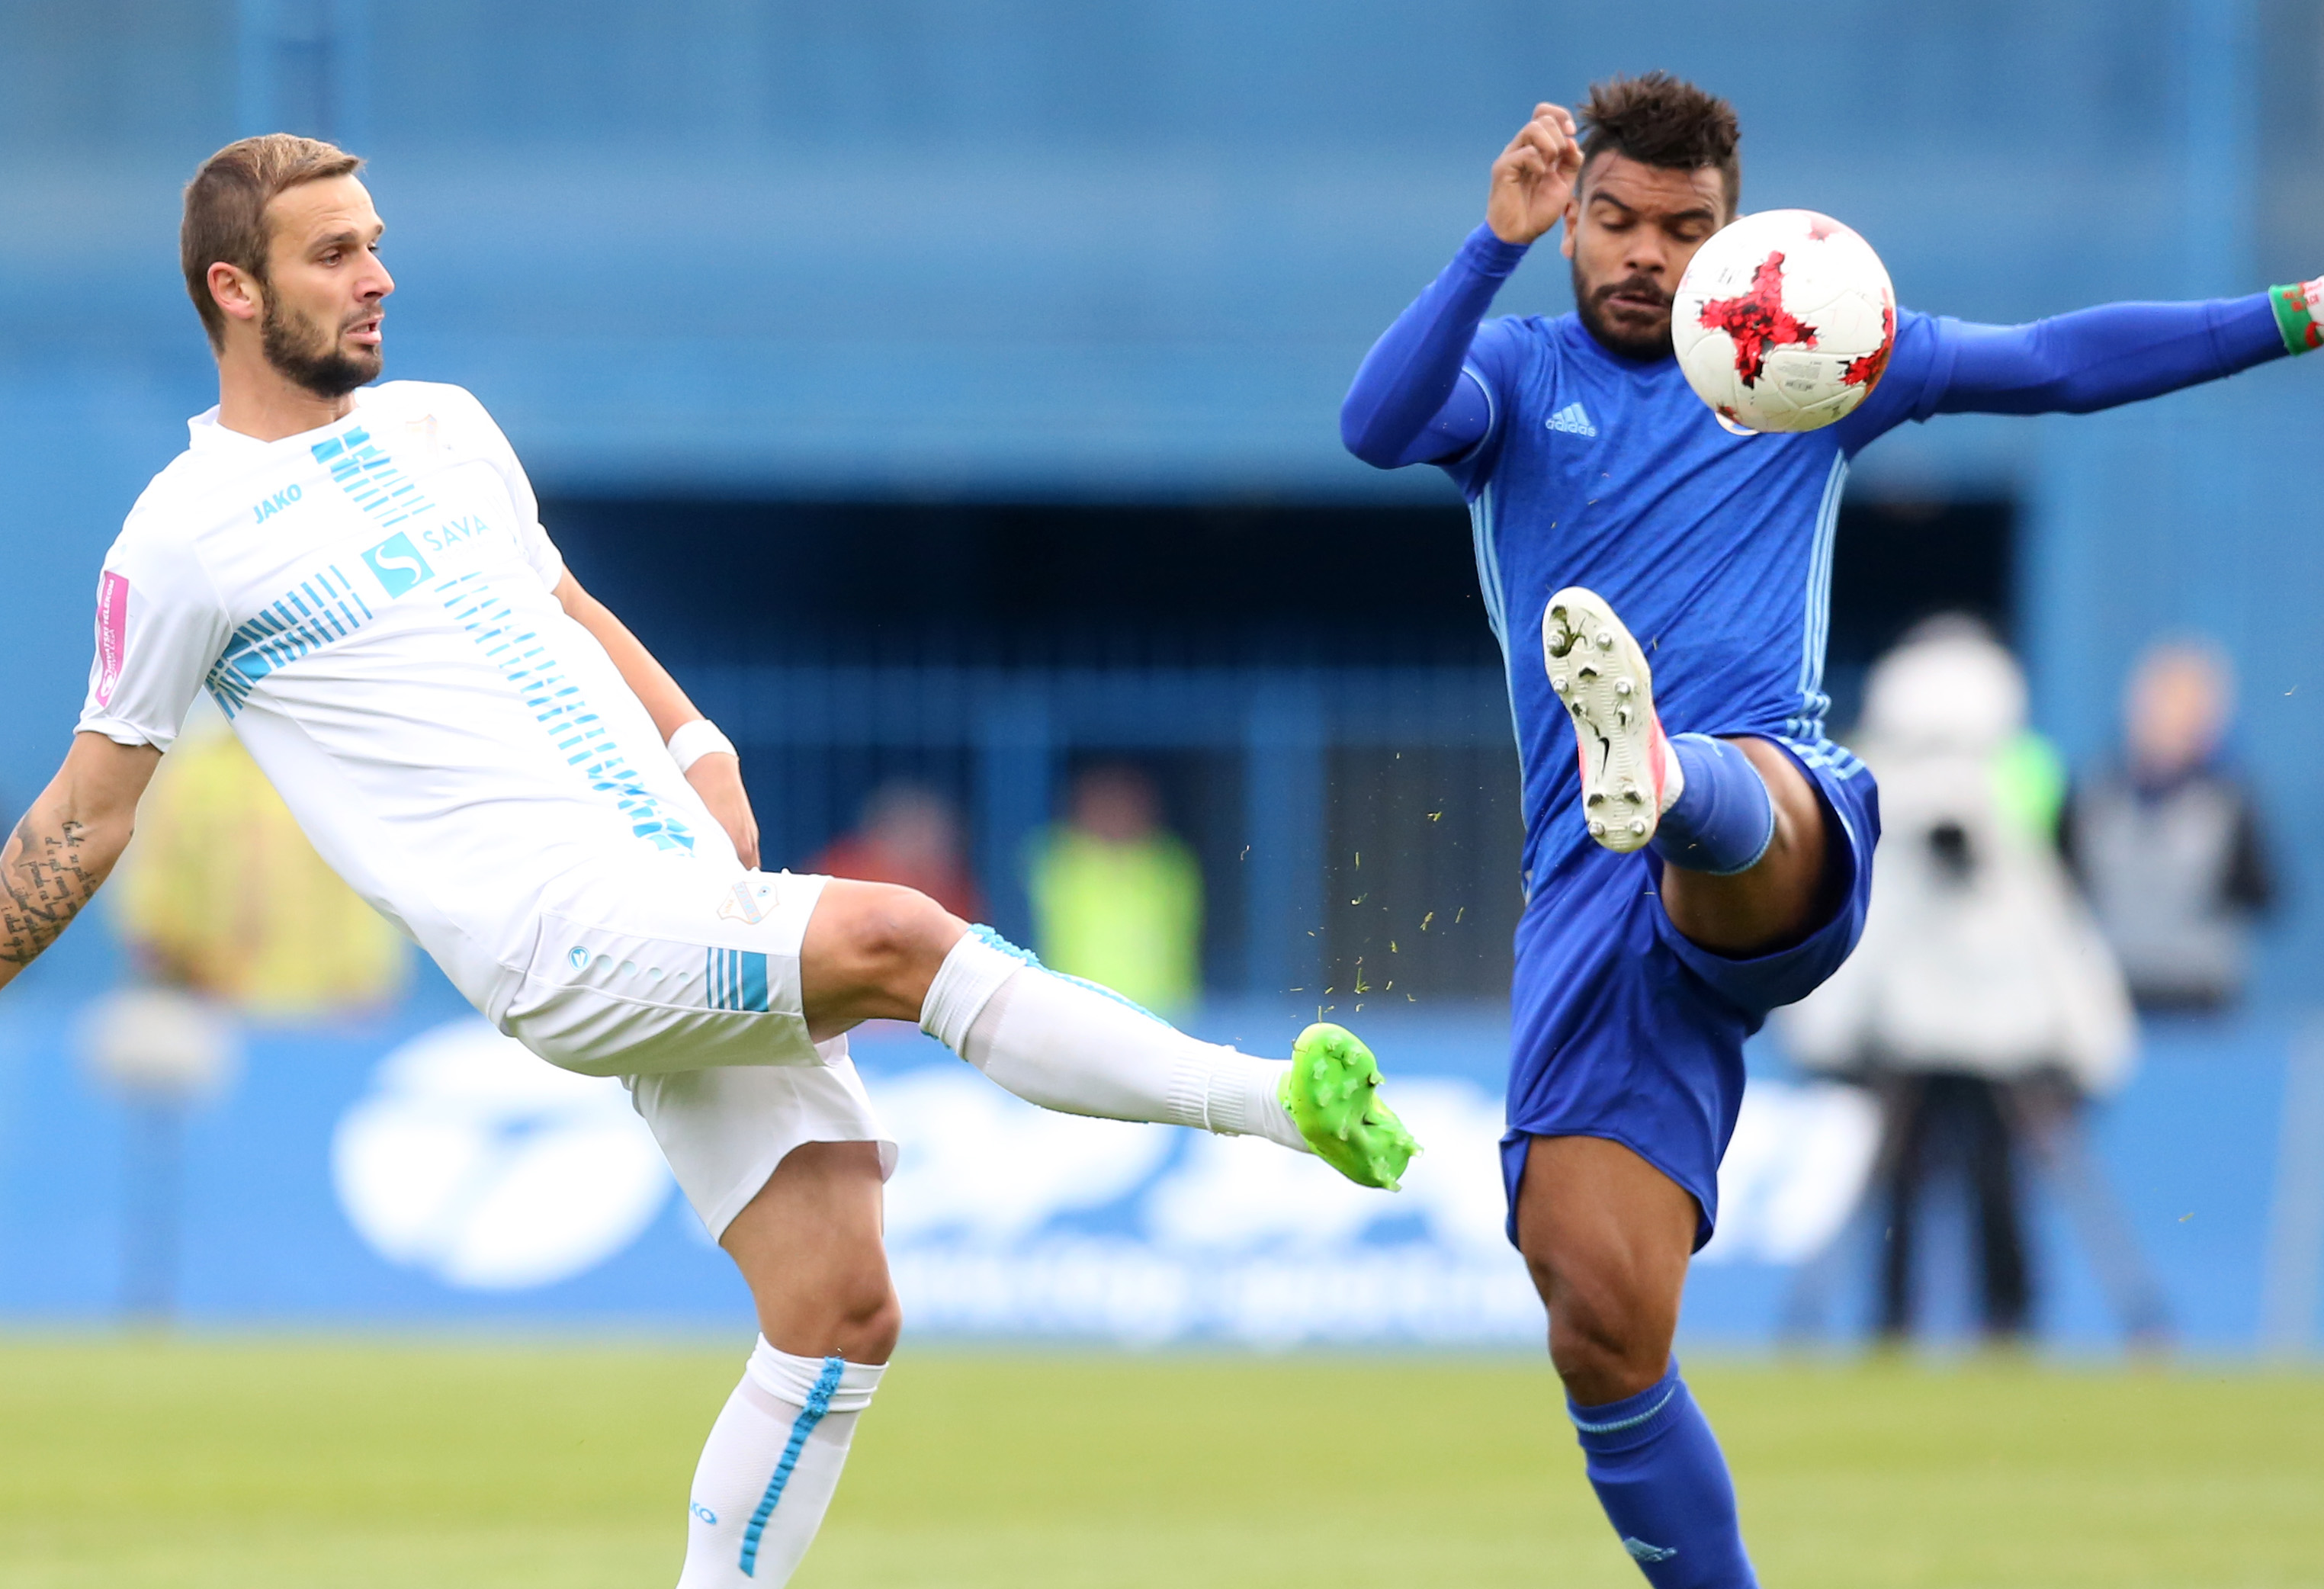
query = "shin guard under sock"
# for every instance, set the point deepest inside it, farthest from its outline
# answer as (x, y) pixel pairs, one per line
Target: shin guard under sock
(770, 1466)
(1660, 1476)
(1724, 818)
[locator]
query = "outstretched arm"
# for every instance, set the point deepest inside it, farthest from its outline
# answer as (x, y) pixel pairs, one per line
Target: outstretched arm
(67, 844)
(1409, 405)
(716, 776)
(2119, 353)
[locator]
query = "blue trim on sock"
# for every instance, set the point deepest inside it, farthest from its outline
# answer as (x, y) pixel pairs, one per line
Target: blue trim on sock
(1615, 1426)
(1026, 955)
(818, 1402)
(1724, 818)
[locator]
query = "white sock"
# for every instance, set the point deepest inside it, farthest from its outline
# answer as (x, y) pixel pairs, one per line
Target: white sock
(1075, 1048)
(769, 1467)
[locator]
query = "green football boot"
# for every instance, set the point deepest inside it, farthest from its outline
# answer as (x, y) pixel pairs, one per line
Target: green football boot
(1333, 1091)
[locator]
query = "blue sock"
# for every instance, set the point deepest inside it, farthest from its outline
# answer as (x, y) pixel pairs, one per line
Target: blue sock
(1658, 1474)
(1724, 818)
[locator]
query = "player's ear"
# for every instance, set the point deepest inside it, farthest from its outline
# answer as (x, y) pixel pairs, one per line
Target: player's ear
(1572, 219)
(237, 293)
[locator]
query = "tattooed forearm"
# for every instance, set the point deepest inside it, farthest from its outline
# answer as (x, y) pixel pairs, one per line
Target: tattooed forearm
(46, 881)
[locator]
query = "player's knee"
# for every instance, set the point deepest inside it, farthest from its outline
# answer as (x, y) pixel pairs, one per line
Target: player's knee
(1606, 1340)
(1604, 1356)
(873, 1323)
(887, 933)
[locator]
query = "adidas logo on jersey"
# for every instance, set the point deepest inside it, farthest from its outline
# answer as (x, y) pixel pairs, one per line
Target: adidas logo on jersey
(1572, 418)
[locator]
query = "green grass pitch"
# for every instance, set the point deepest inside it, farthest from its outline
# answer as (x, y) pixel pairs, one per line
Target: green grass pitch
(289, 1464)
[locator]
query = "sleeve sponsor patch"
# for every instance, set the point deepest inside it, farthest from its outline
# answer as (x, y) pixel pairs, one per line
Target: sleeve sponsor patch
(112, 632)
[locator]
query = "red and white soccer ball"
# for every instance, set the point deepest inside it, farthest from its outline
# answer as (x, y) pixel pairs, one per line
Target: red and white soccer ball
(1784, 321)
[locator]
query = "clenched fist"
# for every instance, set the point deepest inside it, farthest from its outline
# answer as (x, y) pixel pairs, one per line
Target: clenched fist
(1534, 177)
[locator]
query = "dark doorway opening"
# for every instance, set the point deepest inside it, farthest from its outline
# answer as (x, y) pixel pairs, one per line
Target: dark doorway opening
(1043, 584)
(1896, 563)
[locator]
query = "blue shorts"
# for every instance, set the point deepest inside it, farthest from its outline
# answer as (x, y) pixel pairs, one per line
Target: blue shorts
(1626, 1030)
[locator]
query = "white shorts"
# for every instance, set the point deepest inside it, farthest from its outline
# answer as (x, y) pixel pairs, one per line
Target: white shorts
(687, 985)
(723, 1132)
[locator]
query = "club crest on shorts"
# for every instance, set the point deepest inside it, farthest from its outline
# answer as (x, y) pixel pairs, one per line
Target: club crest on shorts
(751, 901)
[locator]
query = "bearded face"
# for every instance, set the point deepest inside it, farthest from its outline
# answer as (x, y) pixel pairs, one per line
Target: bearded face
(1635, 331)
(315, 356)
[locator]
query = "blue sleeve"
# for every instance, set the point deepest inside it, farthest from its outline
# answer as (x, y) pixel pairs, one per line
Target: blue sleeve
(1409, 403)
(2072, 363)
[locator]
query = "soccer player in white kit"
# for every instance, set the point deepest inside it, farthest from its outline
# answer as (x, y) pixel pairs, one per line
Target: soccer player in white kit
(358, 577)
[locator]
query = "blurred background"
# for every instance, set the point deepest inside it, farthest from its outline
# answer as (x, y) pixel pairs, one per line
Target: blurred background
(948, 393)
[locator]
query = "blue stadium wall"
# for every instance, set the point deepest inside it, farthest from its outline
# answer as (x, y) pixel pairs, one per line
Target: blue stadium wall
(1046, 250)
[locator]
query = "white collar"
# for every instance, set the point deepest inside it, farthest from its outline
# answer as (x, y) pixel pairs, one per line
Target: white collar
(205, 434)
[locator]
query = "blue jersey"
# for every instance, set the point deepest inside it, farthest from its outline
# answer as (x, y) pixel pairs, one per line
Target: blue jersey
(1715, 548)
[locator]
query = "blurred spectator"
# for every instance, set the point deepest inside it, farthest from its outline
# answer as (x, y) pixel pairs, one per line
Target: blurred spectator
(2168, 843)
(1117, 897)
(1982, 1004)
(906, 835)
(221, 894)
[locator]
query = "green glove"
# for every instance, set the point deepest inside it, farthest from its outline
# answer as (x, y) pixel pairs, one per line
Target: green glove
(2299, 314)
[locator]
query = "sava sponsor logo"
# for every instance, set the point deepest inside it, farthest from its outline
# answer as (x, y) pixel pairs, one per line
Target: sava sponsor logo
(275, 504)
(398, 563)
(453, 532)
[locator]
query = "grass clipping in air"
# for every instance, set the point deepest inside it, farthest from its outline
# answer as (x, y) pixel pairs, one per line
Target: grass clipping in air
(283, 1466)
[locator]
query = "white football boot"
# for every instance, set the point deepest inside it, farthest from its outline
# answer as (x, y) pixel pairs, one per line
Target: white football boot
(1629, 776)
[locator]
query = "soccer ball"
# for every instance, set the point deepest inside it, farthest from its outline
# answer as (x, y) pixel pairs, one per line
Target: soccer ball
(1784, 321)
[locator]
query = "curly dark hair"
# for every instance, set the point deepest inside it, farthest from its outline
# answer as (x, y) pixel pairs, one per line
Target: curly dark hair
(1661, 120)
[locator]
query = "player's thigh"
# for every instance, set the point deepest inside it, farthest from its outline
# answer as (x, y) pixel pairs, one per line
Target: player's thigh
(1608, 1237)
(1780, 899)
(809, 1244)
(869, 952)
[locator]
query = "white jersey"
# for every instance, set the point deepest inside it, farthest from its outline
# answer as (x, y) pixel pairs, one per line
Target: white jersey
(371, 604)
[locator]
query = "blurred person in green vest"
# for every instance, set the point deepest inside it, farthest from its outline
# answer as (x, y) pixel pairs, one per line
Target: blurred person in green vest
(1118, 898)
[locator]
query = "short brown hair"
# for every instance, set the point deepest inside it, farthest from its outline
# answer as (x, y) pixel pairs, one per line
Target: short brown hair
(1660, 120)
(226, 209)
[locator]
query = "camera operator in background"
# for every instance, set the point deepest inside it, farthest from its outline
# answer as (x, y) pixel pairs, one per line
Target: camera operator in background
(1982, 1004)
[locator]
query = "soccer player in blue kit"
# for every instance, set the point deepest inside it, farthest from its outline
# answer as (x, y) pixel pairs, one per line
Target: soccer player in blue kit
(1678, 888)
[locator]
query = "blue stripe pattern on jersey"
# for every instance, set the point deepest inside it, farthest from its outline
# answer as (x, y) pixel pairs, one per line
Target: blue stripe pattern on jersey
(1816, 624)
(308, 617)
(738, 981)
(370, 476)
(524, 660)
(818, 1403)
(1481, 532)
